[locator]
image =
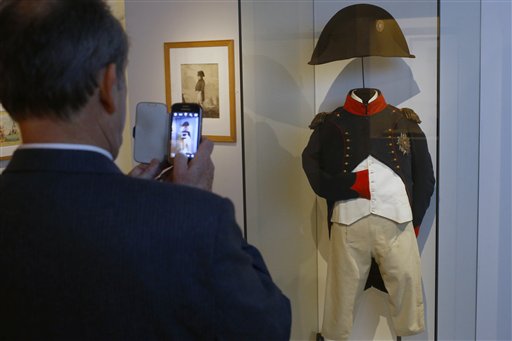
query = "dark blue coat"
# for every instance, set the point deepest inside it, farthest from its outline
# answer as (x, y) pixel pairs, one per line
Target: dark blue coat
(343, 140)
(89, 253)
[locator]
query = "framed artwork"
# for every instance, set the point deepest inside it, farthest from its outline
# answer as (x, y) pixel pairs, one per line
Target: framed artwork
(10, 136)
(203, 72)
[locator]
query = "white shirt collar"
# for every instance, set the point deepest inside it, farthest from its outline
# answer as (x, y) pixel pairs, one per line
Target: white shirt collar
(354, 96)
(67, 146)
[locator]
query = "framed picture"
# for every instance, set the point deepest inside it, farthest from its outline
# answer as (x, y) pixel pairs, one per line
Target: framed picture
(10, 136)
(203, 72)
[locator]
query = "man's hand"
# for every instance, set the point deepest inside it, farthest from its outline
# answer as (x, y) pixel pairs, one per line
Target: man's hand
(146, 171)
(197, 172)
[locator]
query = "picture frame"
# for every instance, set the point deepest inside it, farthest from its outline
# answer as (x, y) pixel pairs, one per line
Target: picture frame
(203, 72)
(10, 137)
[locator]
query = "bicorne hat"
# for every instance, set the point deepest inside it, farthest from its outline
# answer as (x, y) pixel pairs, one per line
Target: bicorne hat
(360, 30)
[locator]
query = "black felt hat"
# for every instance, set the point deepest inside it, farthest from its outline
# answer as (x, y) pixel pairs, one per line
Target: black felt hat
(360, 30)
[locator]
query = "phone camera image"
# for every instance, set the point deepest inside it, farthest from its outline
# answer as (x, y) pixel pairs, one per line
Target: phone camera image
(184, 135)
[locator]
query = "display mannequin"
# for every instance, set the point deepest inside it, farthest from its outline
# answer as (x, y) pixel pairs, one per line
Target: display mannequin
(370, 161)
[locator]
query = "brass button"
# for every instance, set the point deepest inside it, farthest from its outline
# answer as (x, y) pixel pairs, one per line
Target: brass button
(392, 152)
(348, 140)
(346, 163)
(348, 147)
(346, 133)
(390, 144)
(397, 167)
(347, 155)
(394, 159)
(344, 171)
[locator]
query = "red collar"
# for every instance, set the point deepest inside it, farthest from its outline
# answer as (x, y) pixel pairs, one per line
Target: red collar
(357, 108)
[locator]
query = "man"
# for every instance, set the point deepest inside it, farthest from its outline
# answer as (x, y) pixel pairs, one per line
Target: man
(200, 85)
(85, 251)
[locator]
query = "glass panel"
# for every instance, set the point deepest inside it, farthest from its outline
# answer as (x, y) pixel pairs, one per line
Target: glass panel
(278, 95)
(494, 287)
(281, 94)
(458, 160)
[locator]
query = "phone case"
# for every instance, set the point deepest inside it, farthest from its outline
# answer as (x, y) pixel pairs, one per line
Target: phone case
(150, 132)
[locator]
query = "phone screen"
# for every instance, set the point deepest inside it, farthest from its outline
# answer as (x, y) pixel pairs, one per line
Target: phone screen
(185, 133)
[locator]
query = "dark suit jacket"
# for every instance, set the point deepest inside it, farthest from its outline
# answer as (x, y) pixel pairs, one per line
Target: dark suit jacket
(89, 253)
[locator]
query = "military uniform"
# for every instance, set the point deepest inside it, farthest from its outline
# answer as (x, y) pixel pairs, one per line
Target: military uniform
(370, 161)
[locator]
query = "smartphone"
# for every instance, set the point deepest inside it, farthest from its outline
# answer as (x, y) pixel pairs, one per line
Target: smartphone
(185, 133)
(150, 133)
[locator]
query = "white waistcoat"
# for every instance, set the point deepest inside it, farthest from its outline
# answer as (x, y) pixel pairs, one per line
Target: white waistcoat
(388, 197)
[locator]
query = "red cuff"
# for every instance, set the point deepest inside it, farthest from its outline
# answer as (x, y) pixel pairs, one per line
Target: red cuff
(362, 186)
(417, 230)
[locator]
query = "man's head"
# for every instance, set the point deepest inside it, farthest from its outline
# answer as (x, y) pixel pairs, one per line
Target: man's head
(52, 53)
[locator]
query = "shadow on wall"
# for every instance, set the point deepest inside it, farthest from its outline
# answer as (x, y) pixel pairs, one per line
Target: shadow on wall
(373, 306)
(276, 94)
(392, 76)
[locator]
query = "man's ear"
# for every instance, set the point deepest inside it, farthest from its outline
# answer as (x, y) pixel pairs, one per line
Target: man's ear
(107, 88)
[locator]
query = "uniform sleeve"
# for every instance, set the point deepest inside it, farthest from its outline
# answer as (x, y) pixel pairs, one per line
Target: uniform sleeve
(422, 174)
(332, 187)
(248, 304)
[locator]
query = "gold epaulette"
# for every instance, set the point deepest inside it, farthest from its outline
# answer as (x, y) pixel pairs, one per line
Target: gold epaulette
(318, 119)
(410, 115)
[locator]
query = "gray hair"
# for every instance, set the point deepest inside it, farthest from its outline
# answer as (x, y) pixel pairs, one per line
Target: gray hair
(51, 53)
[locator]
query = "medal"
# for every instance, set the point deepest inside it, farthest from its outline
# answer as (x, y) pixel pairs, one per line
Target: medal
(404, 144)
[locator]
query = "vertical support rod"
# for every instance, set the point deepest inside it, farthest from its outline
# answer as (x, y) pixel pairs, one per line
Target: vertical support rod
(362, 69)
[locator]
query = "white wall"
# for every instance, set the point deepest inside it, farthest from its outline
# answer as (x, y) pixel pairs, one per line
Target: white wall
(149, 25)
(494, 313)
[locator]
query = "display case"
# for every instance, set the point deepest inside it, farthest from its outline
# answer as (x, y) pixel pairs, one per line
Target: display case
(281, 96)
